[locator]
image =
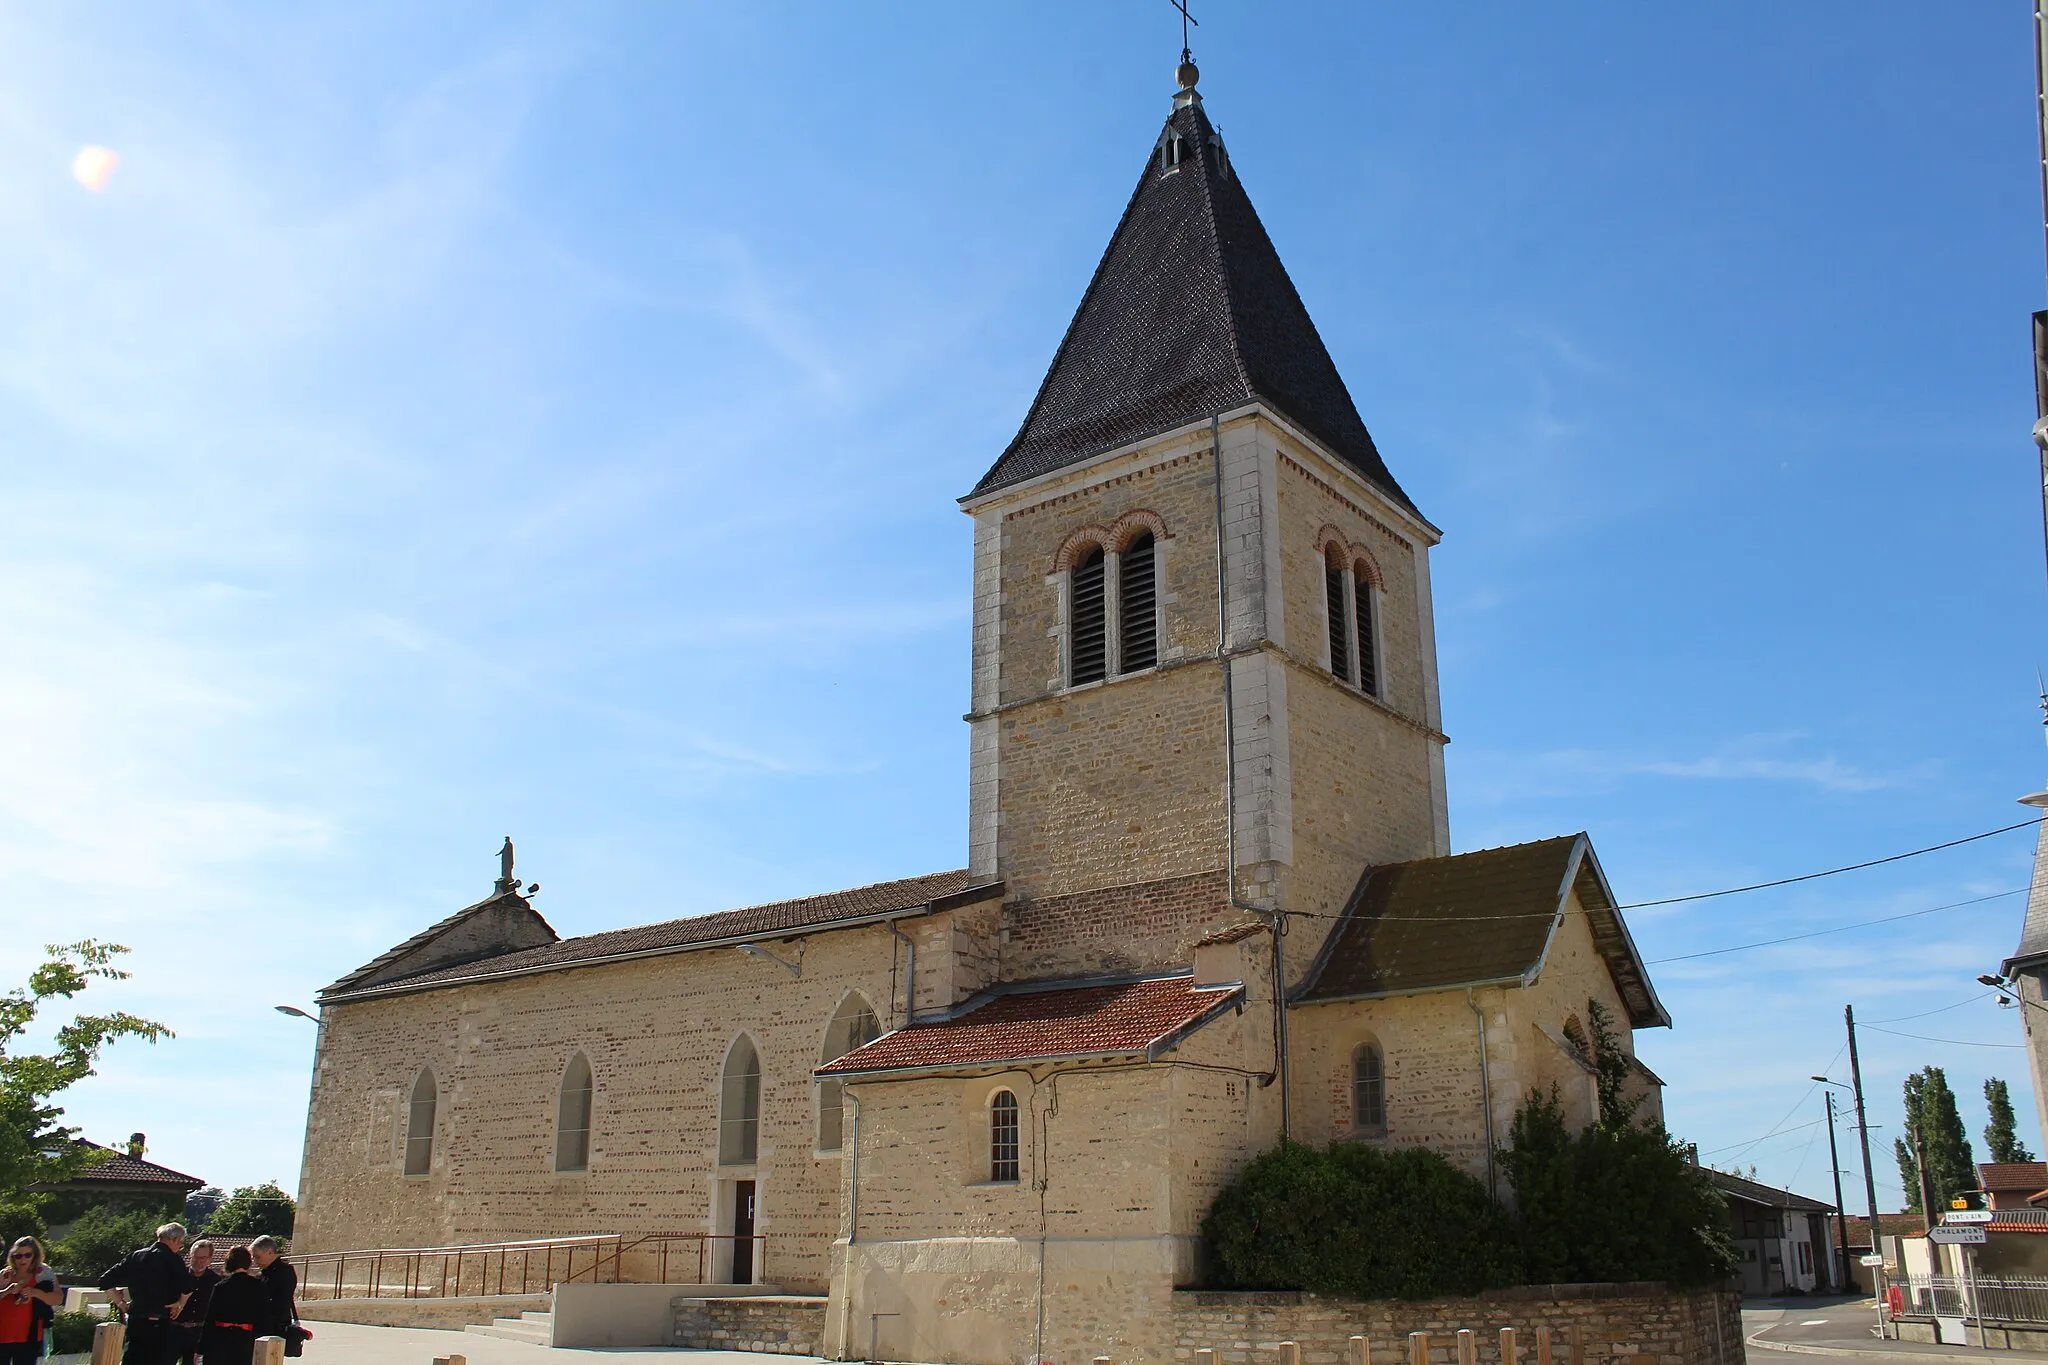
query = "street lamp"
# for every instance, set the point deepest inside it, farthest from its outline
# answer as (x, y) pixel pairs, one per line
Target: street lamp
(1835, 1166)
(296, 1011)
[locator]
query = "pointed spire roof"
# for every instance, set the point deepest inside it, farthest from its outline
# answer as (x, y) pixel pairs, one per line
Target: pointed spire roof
(1190, 313)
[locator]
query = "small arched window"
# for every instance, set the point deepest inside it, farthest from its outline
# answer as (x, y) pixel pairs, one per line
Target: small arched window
(1368, 646)
(1169, 151)
(853, 1026)
(1002, 1137)
(1088, 641)
(1137, 604)
(739, 1106)
(419, 1124)
(572, 1116)
(1339, 615)
(1368, 1089)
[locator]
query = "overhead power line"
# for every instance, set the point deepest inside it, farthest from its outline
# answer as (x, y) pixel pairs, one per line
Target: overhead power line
(1923, 1038)
(1837, 929)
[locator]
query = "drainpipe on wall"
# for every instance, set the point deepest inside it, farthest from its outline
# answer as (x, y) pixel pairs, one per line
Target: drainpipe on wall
(1276, 920)
(1485, 1091)
(909, 972)
(852, 1224)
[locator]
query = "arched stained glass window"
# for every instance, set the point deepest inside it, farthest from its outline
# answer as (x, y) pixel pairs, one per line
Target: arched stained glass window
(419, 1124)
(739, 1107)
(572, 1116)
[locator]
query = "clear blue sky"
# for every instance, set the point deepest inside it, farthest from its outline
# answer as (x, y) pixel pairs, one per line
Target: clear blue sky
(460, 420)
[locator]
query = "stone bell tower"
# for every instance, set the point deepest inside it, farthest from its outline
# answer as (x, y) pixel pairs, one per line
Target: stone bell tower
(1194, 573)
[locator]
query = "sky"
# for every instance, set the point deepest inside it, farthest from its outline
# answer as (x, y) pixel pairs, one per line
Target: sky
(454, 421)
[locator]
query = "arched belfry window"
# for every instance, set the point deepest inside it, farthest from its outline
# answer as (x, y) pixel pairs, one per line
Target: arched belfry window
(853, 1026)
(1088, 640)
(1362, 588)
(1368, 1089)
(419, 1124)
(1169, 151)
(572, 1116)
(739, 1105)
(1137, 605)
(1339, 613)
(1002, 1137)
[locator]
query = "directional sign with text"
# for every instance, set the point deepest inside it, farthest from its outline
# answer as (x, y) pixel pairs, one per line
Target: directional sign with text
(1967, 1216)
(1967, 1234)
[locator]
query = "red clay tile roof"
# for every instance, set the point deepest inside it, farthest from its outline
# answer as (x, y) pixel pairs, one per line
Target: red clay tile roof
(121, 1169)
(2013, 1177)
(754, 921)
(1132, 1018)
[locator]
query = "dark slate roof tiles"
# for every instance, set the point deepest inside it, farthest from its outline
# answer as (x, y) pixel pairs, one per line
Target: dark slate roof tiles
(805, 912)
(1189, 313)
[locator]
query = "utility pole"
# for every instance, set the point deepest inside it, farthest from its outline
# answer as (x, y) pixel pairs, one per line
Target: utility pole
(1841, 1219)
(1862, 1128)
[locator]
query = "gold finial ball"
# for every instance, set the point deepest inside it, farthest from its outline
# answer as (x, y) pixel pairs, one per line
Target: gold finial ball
(1187, 75)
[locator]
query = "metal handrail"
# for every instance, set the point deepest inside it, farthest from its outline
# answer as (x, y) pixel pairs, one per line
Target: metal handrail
(452, 1271)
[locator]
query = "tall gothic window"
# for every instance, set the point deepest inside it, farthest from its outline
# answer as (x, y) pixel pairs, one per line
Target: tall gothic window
(572, 1116)
(1002, 1136)
(739, 1106)
(1368, 647)
(853, 1026)
(1368, 1089)
(1336, 610)
(1137, 605)
(1088, 641)
(419, 1124)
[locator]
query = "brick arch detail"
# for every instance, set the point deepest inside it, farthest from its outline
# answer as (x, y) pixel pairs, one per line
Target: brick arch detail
(1078, 544)
(1367, 567)
(1331, 538)
(1126, 527)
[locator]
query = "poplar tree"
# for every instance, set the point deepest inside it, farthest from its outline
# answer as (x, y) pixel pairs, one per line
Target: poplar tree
(2001, 1135)
(1932, 1116)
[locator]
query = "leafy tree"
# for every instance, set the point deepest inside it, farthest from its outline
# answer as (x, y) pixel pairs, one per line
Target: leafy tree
(102, 1236)
(2001, 1135)
(1359, 1221)
(1932, 1117)
(1618, 1201)
(255, 1210)
(199, 1207)
(34, 1147)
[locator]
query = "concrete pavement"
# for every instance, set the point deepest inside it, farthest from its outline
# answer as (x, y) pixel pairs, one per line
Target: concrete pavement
(360, 1345)
(1816, 1326)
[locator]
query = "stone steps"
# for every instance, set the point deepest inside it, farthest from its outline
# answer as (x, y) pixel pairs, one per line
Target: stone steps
(537, 1328)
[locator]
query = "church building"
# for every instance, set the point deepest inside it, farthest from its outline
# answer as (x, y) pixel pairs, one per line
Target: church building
(1209, 897)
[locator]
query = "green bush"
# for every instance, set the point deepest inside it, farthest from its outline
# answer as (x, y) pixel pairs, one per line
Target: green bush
(72, 1331)
(1618, 1201)
(1355, 1220)
(102, 1236)
(255, 1210)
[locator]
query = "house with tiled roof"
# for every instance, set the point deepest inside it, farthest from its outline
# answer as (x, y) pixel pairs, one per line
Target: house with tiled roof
(120, 1178)
(1210, 899)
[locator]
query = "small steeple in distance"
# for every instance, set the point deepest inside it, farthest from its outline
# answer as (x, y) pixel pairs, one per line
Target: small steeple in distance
(1190, 313)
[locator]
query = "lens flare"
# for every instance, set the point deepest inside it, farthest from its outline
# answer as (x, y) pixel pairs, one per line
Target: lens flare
(94, 166)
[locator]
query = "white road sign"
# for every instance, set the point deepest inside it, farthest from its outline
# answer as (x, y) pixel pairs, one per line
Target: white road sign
(1870, 1260)
(1969, 1234)
(1967, 1216)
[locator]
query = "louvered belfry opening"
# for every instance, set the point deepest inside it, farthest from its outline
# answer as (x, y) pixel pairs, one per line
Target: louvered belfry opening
(1340, 634)
(1368, 655)
(1090, 648)
(1137, 605)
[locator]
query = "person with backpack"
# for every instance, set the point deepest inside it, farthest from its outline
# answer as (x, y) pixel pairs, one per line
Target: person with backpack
(29, 1299)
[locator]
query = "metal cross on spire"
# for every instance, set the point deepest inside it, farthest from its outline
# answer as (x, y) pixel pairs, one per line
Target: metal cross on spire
(1185, 20)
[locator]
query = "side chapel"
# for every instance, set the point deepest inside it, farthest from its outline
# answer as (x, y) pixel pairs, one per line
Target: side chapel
(1209, 900)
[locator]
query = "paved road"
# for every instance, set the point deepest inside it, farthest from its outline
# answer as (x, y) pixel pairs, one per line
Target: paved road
(358, 1345)
(1789, 1328)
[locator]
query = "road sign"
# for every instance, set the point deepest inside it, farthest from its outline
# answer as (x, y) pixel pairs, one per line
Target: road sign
(1870, 1260)
(1969, 1234)
(1967, 1216)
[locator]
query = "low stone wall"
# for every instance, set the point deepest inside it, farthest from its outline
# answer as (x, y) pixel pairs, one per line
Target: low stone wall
(452, 1314)
(778, 1324)
(1591, 1324)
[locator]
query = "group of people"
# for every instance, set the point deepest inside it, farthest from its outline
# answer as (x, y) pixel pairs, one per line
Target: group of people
(176, 1312)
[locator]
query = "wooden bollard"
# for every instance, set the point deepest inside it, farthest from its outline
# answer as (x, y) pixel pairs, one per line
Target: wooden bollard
(1468, 1347)
(1578, 1346)
(107, 1340)
(1102, 1360)
(1418, 1348)
(1205, 1356)
(269, 1351)
(1361, 1352)
(1543, 1346)
(1510, 1354)
(1290, 1353)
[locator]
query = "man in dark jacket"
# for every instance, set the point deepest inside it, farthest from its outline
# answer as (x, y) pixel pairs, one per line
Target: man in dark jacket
(147, 1286)
(187, 1322)
(283, 1282)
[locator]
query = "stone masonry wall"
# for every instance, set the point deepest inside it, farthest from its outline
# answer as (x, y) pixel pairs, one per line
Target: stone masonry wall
(775, 1324)
(1591, 1324)
(1152, 924)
